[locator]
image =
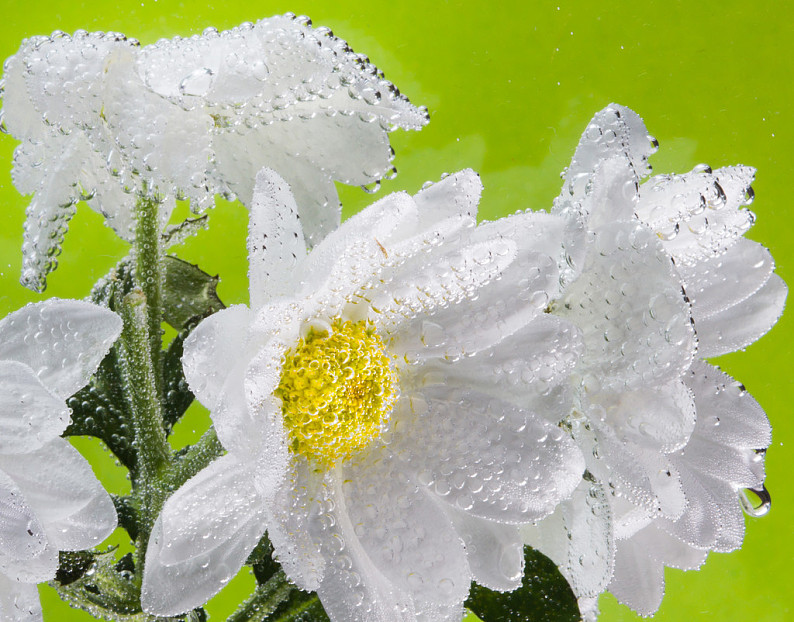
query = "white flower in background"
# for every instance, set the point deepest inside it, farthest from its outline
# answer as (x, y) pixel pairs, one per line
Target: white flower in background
(670, 441)
(104, 120)
(50, 500)
(369, 402)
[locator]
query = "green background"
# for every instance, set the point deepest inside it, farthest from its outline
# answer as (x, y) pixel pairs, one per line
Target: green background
(510, 87)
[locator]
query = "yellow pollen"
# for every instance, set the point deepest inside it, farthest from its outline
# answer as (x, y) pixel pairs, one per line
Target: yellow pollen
(337, 389)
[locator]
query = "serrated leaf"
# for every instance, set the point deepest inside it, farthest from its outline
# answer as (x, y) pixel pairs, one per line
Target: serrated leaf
(99, 409)
(127, 511)
(544, 596)
(189, 293)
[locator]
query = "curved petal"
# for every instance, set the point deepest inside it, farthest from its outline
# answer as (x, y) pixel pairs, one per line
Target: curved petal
(275, 239)
(19, 602)
(638, 580)
(699, 214)
(495, 551)
(629, 306)
(740, 325)
(615, 132)
(58, 483)
(403, 532)
(579, 538)
(173, 589)
(62, 341)
(721, 282)
(485, 457)
(30, 415)
(199, 517)
(36, 569)
(455, 195)
(22, 536)
(533, 360)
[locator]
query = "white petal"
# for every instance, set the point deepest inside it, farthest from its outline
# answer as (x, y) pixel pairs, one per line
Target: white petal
(744, 323)
(58, 483)
(173, 589)
(483, 456)
(578, 537)
(457, 194)
(275, 239)
(216, 358)
(718, 283)
(699, 214)
(21, 535)
(713, 518)
(288, 526)
(629, 305)
(440, 280)
(403, 531)
(166, 145)
(211, 505)
(353, 588)
(62, 341)
(19, 602)
(212, 352)
(532, 360)
(29, 414)
(36, 569)
(495, 551)
(727, 413)
(660, 419)
(664, 548)
(638, 580)
(614, 132)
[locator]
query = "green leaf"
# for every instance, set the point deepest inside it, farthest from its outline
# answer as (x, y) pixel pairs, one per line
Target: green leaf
(189, 293)
(262, 562)
(544, 596)
(300, 607)
(99, 409)
(177, 396)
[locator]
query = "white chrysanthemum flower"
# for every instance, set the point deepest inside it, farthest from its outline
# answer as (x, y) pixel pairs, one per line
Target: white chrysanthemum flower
(50, 500)
(103, 120)
(670, 441)
(369, 402)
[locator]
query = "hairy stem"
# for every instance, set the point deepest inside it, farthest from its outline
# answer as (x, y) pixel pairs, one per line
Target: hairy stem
(149, 274)
(265, 599)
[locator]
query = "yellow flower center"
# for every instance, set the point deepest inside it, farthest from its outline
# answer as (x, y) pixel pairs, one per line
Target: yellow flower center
(337, 389)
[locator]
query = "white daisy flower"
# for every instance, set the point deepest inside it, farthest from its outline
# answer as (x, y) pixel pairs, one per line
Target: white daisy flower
(390, 406)
(50, 500)
(104, 120)
(670, 440)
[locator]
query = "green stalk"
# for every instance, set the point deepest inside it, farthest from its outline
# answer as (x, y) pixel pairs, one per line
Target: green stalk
(149, 274)
(264, 601)
(201, 454)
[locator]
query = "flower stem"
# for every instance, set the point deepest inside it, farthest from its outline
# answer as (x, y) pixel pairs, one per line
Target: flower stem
(204, 451)
(264, 601)
(153, 454)
(149, 274)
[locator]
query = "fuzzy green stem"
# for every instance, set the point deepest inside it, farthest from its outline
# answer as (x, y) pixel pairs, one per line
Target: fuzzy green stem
(138, 371)
(264, 601)
(149, 274)
(204, 451)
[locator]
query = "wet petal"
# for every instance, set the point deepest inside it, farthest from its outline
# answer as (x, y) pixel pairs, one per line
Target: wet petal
(629, 306)
(61, 488)
(638, 580)
(403, 531)
(21, 534)
(62, 341)
(199, 517)
(495, 551)
(718, 283)
(275, 239)
(739, 326)
(485, 457)
(29, 414)
(19, 602)
(173, 589)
